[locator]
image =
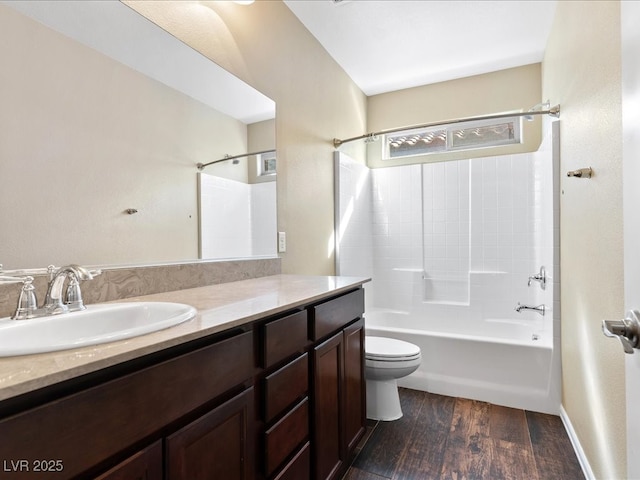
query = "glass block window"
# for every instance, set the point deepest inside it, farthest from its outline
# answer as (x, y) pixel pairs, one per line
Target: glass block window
(267, 163)
(416, 142)
(455, 137)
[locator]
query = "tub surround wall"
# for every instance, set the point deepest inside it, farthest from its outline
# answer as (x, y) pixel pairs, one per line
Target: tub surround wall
(452, 247)
(237, 219)
(479, 230)
(354, 222)
(125, 282)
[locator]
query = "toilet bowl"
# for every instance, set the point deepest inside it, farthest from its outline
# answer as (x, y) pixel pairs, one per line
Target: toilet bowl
(387, 360)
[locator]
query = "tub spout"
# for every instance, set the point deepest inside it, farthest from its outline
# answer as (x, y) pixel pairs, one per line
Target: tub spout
(540, 308)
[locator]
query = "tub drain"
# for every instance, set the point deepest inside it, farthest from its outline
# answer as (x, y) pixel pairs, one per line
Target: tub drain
(535, 336)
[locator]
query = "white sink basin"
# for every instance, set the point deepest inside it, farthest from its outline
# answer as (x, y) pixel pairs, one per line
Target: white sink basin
(97, 324)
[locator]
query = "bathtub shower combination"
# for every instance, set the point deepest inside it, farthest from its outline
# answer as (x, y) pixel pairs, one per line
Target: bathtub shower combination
(505, 363)
(463, 257)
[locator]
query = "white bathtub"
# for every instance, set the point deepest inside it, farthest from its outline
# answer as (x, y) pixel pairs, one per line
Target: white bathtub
(505, 362)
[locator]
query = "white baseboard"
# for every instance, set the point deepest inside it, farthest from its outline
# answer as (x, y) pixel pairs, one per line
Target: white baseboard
(577, 447)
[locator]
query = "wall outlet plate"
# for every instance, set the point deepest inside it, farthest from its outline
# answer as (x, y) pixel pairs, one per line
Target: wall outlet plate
(282, 242)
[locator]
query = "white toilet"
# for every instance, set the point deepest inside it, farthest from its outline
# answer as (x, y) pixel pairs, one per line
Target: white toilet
(386, 360)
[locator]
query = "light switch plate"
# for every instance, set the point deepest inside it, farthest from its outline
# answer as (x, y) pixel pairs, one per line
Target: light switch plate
(282, 242)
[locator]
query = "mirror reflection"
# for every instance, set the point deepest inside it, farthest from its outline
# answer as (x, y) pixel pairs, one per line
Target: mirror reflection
(105, 114)
(246, 223)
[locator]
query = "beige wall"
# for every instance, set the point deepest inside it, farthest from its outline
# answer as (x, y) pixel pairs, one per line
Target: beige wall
(581, 70)
(512, 90)
(266, 46)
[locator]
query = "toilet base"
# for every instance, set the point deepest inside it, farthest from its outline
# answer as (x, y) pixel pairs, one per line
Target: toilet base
(383, 400)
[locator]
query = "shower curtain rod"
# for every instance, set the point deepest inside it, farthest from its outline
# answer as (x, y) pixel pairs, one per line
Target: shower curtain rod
(229, 157)
(553, 111)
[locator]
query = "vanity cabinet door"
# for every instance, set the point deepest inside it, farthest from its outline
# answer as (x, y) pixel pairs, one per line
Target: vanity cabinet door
(217, 446)
(328, 372)
(144, 465)
(354, 386)
(339, 403)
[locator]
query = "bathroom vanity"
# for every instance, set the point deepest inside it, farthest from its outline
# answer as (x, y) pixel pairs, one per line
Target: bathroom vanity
(266, 382)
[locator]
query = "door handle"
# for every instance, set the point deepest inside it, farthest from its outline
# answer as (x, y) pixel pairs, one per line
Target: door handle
(626, 330)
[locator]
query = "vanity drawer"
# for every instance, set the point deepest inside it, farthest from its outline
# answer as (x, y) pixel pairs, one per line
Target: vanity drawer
(86, 428)
(334, 314)
(286, 435)
(284, 337)
(299, 468)
(284, 386)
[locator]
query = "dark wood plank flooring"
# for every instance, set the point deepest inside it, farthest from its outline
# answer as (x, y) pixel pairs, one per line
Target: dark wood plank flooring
(457, 439)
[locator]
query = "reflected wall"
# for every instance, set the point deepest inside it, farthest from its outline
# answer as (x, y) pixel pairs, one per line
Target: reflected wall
(84, 138)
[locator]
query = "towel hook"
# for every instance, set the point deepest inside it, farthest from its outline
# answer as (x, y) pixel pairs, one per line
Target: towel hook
(581, 173)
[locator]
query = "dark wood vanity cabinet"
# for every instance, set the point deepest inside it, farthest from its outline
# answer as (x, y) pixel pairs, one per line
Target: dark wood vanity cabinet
(314, 402)
(285, 402)
(277, 399)
(328, 377)
(217, 445)
(355, 414)
(109, 423)
(339, 412)
(143, 465)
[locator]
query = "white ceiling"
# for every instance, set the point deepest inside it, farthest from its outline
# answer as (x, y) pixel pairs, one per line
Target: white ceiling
(388, 45)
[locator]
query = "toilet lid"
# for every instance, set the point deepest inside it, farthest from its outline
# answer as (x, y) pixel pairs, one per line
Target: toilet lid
(382, 347)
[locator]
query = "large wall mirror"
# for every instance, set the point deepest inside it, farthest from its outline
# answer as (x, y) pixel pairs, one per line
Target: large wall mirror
(104, 118)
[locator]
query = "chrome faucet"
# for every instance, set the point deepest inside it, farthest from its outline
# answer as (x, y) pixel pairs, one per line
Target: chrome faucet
(54, 302)
(540, 308)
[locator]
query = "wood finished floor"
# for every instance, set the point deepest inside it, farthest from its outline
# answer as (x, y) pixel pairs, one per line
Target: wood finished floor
(457, 439)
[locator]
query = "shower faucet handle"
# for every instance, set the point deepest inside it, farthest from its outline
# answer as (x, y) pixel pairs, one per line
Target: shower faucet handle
(540, 277)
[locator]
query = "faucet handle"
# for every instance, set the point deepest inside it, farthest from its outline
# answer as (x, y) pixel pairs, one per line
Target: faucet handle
(540, 277)
(27, 302)
(95, 273)
(74, 294)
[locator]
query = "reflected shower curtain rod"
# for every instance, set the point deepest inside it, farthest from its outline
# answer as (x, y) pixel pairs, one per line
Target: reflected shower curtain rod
(553, 111)
(230, 157)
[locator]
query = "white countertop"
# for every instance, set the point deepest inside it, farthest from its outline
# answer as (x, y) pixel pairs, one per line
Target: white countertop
(220, 307)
